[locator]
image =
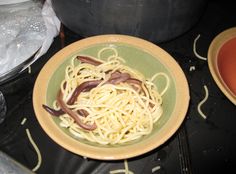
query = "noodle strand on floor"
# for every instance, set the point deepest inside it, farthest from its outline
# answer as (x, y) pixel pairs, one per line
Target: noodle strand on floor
(202, 102)
(194, 49)
(36, 149)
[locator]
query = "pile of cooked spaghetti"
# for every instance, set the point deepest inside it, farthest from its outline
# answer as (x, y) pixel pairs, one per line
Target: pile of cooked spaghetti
(104, 101)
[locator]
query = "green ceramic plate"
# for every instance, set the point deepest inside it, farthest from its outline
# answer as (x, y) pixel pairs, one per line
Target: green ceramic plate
(139, 54)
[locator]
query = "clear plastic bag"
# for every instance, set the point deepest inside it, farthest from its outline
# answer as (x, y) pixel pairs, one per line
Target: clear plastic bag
(22, 32)
(26, 28)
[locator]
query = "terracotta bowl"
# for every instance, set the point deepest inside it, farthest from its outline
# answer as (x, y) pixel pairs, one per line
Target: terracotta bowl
(222, 62)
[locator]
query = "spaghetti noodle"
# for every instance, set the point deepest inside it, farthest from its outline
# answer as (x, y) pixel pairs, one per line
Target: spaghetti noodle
(124, 171)
(194, 49)
(36, 150)
(202, 102)
(104, 101)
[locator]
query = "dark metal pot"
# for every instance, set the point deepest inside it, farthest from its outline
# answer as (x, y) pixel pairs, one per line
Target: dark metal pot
(154, 20)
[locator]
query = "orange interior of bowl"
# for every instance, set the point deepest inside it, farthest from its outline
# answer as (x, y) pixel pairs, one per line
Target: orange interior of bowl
(226, 62)
(222, 62)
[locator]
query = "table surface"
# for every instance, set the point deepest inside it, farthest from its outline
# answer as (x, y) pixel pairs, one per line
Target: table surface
(211, 143)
